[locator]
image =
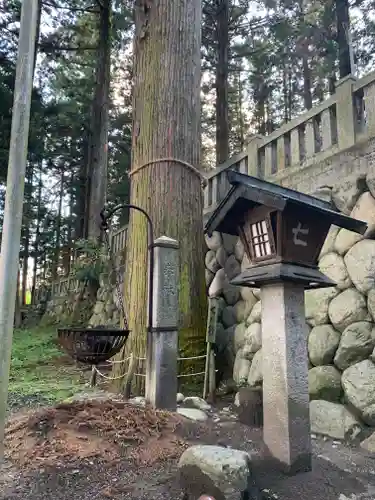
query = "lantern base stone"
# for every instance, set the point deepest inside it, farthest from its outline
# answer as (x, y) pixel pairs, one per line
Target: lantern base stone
(286, 415)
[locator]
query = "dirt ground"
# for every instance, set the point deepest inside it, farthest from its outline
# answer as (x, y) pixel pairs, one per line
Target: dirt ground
(337, 469)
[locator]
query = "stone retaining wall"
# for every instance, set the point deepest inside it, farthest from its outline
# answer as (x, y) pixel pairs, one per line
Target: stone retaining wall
(102, 310)
(107, 308)
(341, 329)
(59, 310)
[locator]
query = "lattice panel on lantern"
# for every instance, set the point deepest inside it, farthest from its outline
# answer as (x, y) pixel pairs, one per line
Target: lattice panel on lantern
(260, 239)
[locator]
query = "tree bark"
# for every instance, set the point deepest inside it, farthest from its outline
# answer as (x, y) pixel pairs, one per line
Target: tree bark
(27, 220)
(343, 26)
(307, 96)
(98, 155)
(37, 238)
(17, 309)
(58, 230)
(166, 124)
(222, 125)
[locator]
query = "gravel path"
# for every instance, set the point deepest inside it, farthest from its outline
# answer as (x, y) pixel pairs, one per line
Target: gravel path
(338, 473)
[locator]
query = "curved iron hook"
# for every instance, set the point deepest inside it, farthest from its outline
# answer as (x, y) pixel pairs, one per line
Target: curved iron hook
(105, 216)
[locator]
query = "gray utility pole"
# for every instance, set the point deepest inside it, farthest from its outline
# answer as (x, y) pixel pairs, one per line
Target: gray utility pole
(10, 247)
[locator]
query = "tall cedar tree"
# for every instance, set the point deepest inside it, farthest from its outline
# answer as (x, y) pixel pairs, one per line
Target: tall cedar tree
(166, 124)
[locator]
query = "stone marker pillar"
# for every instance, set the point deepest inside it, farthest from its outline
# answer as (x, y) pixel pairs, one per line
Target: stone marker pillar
(285, 376)
(162, 390)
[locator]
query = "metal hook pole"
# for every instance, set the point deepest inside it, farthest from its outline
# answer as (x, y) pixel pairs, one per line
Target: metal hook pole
(105, 216)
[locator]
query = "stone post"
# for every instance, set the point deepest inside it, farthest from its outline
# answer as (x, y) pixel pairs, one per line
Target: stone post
(162, 390)
(285, 376)
(252, 155)
(345, 112)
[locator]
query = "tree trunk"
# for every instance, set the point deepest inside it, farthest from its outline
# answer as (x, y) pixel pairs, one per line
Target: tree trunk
(240, 114)
(81, 193)
(285, 93)
(17, 309)
(222, 125)
(98, 155)
(58, 230)
(27, 220)
(343, 26)
(166, 124)
(25, 265)
(307, 97)
(69, 236)
(37, 238)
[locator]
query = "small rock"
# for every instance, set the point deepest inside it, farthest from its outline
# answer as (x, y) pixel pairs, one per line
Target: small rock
(241, 369)
(346, 193)
(333, 420)
(228, 316)
(253, 340)
(256, 314)
(325, 383)
(221, 256)
(237, 400)
(239, 250)
(193, 414)
(347, 308)
(229, 242)
(356, 344)
(323, 193)
(180, 397)
(371, 303)
(242, 310)
(360, 262)
(196, 402)
(358, 382)
(218, 284)
(239, 336)
(232, 267)
(329, 241)
(211, 262)
(138, 401)
(215, 471)
(209, 276)
(333, 266)
(364, 210)
(231, 294)
(214, 242)
(255, 377)
(322, 344)
(248, 296)
(316, 305)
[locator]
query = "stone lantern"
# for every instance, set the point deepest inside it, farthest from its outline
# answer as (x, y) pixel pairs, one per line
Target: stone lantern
(283, 232)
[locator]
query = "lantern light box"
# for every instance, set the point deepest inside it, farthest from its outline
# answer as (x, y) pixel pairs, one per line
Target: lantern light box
(282, 231)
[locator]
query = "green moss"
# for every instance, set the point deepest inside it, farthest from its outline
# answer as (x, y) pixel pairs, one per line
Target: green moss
(38, 367)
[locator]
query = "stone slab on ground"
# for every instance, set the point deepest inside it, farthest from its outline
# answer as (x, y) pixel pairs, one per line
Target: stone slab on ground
(193, 414)
(216, 471)
(333, 420)
(196, 402)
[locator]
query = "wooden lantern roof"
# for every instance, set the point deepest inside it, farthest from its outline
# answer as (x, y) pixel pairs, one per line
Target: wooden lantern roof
(249, 192)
